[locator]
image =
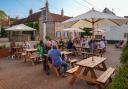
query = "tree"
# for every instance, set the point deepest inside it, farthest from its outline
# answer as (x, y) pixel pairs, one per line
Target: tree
(3, 15)
(87, 31)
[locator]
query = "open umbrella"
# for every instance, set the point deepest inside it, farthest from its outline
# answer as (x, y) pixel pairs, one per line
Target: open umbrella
(20, 27)
(73, 30)
(94, 17)
(99, 31)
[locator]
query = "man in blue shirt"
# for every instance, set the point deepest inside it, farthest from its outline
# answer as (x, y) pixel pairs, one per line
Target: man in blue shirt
(55, 55)
(92, 46)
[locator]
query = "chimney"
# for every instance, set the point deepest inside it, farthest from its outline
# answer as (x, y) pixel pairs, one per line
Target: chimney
(17, 17)
(30, 12)
(46, 5)
(9, 22)
(62, 12)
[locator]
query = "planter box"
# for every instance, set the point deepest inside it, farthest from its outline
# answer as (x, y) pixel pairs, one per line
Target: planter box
(4, 52)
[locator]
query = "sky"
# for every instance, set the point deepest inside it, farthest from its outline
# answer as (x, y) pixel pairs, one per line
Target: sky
(21, 8)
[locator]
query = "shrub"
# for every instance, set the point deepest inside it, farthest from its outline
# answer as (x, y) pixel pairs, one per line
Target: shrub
(121, 79)
(2, 46)
(47, 37)
(124, 55)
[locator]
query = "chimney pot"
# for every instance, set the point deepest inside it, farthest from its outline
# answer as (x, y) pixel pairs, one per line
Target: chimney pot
(17, 17)
(30, 12)
(62, 12)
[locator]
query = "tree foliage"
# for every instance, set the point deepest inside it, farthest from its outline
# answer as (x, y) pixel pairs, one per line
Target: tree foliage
(3, 15)
(34, 25)
(87, 31)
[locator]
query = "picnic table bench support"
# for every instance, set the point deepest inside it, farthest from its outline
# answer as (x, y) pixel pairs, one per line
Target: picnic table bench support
(74, 72)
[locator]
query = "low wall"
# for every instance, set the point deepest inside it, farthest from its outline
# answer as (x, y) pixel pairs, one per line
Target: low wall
(4, 40)
(5, 52)
(7, 44)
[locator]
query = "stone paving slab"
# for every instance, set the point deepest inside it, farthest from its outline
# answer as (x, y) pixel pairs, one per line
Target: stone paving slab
(15, 74)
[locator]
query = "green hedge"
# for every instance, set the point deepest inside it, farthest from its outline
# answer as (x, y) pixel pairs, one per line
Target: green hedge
(121, 79)
(124, 55)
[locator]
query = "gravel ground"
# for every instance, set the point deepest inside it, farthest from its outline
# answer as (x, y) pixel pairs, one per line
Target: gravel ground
(15, 74)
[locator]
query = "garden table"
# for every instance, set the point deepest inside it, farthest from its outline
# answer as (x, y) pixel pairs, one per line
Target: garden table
(86, 66)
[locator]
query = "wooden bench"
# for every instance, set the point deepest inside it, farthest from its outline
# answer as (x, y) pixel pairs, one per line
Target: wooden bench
(72, 62)
(106, 76)
(72, 70)
(84, 53)
(51, 66)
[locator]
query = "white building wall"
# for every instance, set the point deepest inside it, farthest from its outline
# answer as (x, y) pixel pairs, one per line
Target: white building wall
(116, 32)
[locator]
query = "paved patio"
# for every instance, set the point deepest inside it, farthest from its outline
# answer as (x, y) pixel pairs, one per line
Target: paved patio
(15, 74)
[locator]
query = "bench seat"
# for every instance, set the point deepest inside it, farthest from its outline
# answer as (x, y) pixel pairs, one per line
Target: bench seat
(72, 70)
(73, 61)
(106, 75)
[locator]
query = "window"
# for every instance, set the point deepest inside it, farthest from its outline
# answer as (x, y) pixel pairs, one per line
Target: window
(65, 34)
(58, 34)
(125, 35)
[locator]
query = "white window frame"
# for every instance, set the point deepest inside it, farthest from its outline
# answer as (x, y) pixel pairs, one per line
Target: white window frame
(65, 34)
(58, 34)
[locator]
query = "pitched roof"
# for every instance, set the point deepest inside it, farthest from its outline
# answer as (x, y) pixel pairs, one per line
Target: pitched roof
(5, 22)
(59, 18)
(106, 10)
(37, 15)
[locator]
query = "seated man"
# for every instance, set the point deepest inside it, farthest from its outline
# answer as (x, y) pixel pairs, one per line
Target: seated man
(13, 50)
(102, 45)
(92, 46)
(27, 45)
(55, 55)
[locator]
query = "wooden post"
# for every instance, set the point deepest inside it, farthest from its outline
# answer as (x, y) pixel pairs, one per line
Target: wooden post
(92, 37)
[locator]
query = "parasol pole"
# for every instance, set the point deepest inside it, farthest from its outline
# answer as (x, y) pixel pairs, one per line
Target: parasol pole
(92, 38)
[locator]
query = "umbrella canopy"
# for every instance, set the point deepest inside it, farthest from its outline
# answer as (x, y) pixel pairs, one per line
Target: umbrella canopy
(93, 17)
(73, 30)
(99, 31)
(20, 27)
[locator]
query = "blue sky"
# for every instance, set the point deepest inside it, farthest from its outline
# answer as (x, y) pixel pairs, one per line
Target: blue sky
(71, 7)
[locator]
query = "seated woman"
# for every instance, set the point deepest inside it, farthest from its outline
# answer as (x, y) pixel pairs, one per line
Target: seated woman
(61, 43)
(40, 51)
(69, 44)
(27, 45)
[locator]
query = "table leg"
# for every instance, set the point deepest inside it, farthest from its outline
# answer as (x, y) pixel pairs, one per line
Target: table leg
(86, 70)
(74, 76)
(104, 66)
(93, 75)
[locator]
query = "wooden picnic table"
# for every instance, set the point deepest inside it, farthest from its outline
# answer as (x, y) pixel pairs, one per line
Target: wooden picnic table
(66, 52)
(30, 56)
(62, 52)
(87, 65)
(31, 50)
(18, 51)
(85, 48)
